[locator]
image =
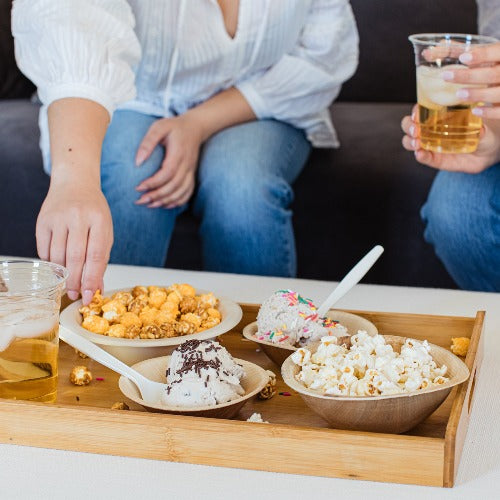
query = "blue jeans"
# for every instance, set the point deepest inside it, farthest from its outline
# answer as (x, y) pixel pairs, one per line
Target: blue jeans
(243, 196)
(462, 214)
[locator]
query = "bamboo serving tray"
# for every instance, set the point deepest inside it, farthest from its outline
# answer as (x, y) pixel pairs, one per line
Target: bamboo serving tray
(81, 420)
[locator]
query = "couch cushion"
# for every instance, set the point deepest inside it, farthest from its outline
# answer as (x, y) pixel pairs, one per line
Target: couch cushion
(24, 184)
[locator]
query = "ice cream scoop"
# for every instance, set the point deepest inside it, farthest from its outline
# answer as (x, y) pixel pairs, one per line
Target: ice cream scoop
(288, 318)
(202, 373)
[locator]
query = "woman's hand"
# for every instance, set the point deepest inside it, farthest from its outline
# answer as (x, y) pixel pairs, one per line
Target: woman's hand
(174, 182)
(74, 229)
(487, 153)
(484, 70)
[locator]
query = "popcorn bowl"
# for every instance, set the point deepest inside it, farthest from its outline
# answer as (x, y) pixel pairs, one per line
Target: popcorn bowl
(278, 353)
(253, 382)
(395, 413)
(131, 351)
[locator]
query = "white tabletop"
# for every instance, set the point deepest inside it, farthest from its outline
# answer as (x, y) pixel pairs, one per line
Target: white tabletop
(31, 473)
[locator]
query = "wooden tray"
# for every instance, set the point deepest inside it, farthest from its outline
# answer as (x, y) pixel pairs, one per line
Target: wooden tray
(296, 441)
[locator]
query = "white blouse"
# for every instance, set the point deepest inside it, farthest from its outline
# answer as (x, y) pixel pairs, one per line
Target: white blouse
(162, 57)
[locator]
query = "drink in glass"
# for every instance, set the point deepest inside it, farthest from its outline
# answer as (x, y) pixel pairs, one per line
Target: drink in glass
(29, 328)
(447, 124)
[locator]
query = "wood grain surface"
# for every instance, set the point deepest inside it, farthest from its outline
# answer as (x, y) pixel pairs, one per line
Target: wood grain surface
(296, 440)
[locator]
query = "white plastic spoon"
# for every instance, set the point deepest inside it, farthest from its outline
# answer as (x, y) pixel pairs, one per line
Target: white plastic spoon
(351, 278)
(150, 391)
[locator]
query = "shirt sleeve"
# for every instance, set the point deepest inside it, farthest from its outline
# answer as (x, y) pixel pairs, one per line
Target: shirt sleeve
(489, 17)
(304, 82)
(77, 48)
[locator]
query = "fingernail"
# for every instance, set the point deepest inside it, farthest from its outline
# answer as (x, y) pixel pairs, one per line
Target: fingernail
(72, 294)
(141, 188)
(413, 143)
(155, 204)
(87, 296)
(465, 58)
(477, 111)
(413, 116)
(143, 201)
(139, 159)
(462, 93)
(447, 75)
(412, 130)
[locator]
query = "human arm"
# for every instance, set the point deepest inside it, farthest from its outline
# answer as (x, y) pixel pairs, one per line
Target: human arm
(81, 76)
(182, 137)
(74, 226)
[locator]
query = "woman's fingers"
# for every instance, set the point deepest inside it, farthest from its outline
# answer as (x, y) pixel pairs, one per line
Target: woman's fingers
(43, 238)
(97, 257)
(167, 190)
(488, 94)
(492, 112)
(76, 251)
(409, 126)
(153, 137)
(486, 75)
(165, 175)
(57, 252)
(485, 54)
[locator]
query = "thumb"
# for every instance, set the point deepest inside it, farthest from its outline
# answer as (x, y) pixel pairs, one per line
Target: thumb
(156, 133)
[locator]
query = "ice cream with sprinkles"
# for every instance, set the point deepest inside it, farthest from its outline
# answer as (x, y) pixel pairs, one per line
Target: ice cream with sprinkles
(289, 319)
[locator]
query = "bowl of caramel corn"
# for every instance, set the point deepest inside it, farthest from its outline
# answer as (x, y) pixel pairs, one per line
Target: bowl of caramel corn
(144, 322)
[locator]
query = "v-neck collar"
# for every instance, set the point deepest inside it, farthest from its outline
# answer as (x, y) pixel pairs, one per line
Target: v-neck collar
(239, 23)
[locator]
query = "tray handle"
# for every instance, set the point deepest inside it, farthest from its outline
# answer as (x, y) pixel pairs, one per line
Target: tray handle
(470, 395)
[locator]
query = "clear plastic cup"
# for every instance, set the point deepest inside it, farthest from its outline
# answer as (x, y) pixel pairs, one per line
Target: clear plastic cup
(447, 124)
(29, 328)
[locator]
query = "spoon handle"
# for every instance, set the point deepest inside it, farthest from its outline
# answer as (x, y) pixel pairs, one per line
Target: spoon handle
(100, 355)
(351, 279)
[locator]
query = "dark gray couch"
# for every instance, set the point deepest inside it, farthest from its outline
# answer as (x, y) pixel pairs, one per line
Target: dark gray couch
(371, 190)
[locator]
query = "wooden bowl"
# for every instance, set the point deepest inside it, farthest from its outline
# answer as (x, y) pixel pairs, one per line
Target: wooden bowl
(132, 351)
(278, 353)
(254, 381)
(394, 413)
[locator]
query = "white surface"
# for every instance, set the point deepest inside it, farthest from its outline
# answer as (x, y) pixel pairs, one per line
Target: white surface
(50, 474)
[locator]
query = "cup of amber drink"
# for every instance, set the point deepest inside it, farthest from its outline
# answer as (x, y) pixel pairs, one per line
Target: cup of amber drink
(447, 124)
(30, 299)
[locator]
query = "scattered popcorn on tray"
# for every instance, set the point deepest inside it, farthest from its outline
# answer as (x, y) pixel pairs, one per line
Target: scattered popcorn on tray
(151, 313)
(270, 389)
(370, 367)
(256, 417)
(81, 354)
(120, 406)
(80, 375)
(460, 345)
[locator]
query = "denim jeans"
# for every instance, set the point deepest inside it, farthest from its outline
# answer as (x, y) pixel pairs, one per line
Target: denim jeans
(243, 196)
(462, 214)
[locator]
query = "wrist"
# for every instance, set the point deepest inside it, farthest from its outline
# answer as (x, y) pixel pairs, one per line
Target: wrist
(199, 124)
(63, 177)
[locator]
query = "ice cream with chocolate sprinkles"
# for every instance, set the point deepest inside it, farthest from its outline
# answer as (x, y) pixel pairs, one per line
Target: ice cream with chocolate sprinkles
(202, 373)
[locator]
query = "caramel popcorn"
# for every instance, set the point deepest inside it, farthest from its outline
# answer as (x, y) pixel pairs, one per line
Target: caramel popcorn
(151, 312)
(460, 345)
(80, 375)
(139, 290)
(130, 319)
(188, 305)
(117, 330)
(120, 406)
(157, 298)
(96, 324)
(270, 389)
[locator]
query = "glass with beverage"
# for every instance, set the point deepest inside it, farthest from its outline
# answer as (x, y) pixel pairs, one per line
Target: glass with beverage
(447, 124)
(30, 299)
